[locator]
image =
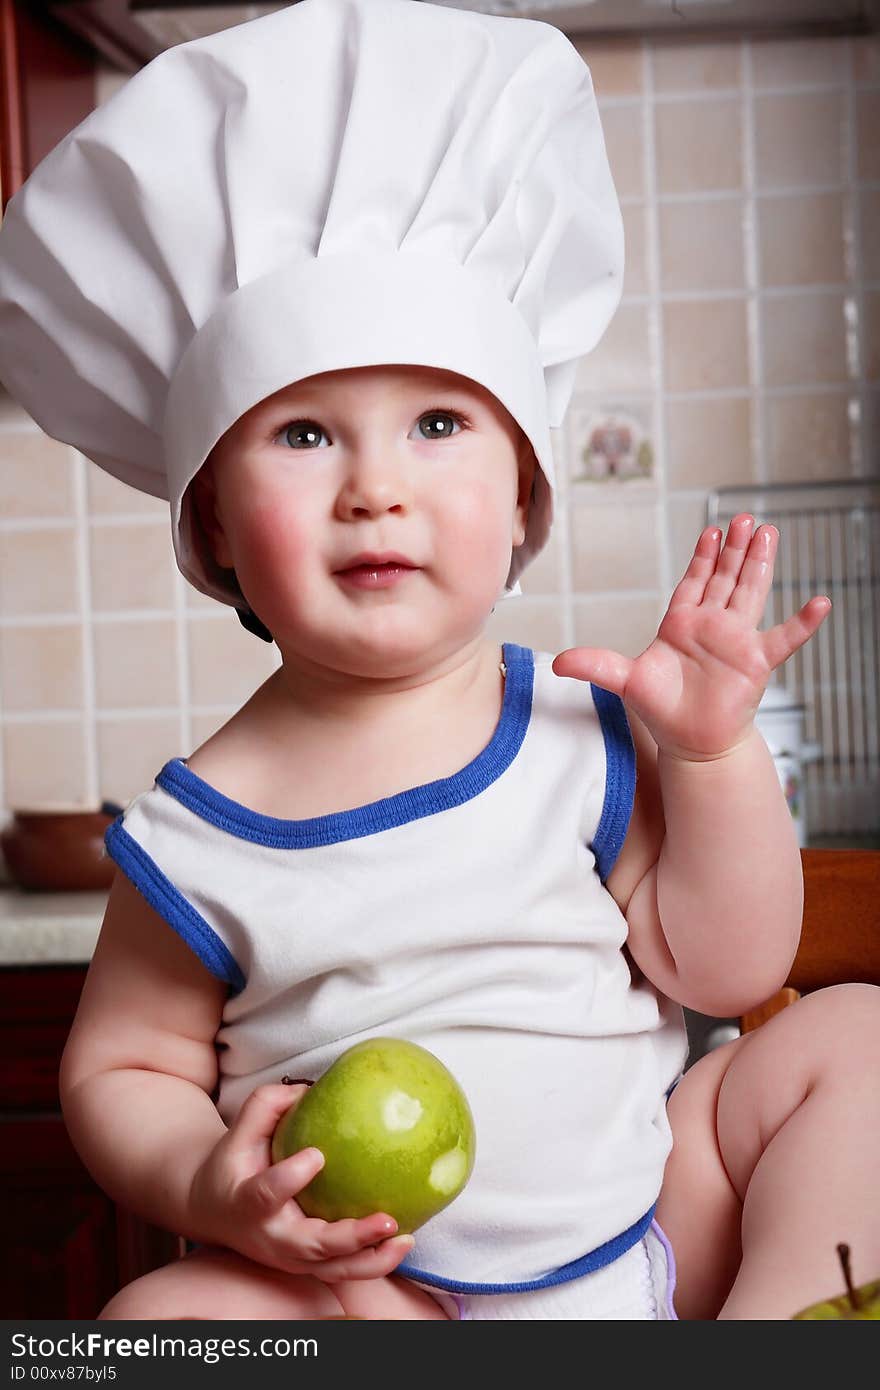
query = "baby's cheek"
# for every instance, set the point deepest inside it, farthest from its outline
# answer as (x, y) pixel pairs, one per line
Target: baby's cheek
(478, 532)
(274, 544)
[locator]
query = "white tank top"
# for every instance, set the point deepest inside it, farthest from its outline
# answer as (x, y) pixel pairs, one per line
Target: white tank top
(468, 915)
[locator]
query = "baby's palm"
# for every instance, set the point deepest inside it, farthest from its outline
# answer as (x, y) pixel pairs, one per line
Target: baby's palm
(698, 685)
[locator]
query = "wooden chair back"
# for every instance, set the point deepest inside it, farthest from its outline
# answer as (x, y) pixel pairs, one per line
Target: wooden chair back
(840, 936)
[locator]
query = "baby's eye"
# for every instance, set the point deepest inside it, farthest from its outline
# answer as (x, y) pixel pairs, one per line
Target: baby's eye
(301, 434)
(305, 434)
(445, 416)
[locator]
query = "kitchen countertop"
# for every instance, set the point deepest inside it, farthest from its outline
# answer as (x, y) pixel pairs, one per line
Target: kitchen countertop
(49, 928)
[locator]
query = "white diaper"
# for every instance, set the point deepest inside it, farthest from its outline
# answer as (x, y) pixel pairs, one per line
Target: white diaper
(637, 1285)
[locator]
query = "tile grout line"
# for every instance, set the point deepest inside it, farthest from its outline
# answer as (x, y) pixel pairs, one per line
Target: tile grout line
(706, 95)
(184, 671)
(853, 266)
(754, 315)
(81, 512)
(730, 195)
(562, 526)
(655, 322)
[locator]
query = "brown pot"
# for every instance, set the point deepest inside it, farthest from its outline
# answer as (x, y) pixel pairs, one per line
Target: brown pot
(58, 850)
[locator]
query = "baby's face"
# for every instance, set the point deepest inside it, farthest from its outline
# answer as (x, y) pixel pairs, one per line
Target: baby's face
(403, 459)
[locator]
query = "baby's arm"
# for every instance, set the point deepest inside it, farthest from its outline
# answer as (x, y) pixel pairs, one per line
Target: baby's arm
(709, 877)
(136, 1080)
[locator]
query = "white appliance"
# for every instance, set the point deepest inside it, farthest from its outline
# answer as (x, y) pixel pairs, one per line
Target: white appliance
(780, 721)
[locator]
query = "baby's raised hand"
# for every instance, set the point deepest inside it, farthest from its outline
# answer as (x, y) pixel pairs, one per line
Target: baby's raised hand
(699, 683)
(242, 1200)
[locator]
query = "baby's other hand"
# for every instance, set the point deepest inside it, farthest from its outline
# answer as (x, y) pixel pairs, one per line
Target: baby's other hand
(244, 1201)
(698, 685)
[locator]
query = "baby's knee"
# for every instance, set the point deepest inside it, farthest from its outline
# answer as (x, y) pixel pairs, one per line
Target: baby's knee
(213, 1285)
(816, 1044)
(840, 1014)
(854, 1000)
(148, 1297)
(840, 1018)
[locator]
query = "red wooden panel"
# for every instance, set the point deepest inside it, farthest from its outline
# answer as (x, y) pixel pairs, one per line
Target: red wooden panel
(37, 1007)
(58, 1228)
(57, 73)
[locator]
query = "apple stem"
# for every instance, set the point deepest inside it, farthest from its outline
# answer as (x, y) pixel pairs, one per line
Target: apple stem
(843, 1253)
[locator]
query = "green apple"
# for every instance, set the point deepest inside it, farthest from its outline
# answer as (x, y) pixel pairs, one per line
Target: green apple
(861, 1303)
(395, 1129)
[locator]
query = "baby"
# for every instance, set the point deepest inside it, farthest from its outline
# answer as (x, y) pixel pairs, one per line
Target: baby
(341, 368)
(381, 718)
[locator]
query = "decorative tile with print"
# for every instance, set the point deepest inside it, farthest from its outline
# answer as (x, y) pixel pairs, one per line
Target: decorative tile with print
(611, 444)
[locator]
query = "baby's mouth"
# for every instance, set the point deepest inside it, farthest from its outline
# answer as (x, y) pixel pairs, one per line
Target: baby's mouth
(372, 575)
(375, 569)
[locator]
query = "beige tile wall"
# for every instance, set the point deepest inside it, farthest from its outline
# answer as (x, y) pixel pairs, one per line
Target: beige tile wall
(746, 349)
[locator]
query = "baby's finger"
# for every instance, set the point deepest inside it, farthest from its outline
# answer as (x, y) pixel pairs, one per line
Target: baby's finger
(255, 1122)
(749, 598)
(599, 665)
(371, 1263)
(692, 585)
(327, 1240)
(730, 562)
(784, 639)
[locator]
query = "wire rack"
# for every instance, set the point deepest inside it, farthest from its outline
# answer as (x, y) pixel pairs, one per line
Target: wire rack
(829, 543)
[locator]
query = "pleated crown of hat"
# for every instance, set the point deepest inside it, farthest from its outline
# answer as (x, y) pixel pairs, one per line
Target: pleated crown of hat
(343, 183)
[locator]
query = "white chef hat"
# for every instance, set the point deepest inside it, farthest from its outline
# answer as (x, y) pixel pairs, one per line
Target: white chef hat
(342, 183)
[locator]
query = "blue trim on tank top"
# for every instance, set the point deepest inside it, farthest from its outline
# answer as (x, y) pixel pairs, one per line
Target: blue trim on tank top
(172, 906)
(228, 815)
(586, 1264)
(391, 811)
(620, 780)
(177, 779)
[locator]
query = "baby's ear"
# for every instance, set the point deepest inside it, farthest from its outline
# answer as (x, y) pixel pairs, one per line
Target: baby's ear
(528, 465)
(203, 499)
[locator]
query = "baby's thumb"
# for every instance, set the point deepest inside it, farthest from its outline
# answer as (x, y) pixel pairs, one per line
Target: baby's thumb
(599, 665)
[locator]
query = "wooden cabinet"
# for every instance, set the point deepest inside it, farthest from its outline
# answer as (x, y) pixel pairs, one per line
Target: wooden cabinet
(47, 86)
(59, 1231)
(65, 1247)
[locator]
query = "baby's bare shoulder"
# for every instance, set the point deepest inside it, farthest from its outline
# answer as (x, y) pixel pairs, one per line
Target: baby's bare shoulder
(272, 768)
(222, 755)
(240, 758)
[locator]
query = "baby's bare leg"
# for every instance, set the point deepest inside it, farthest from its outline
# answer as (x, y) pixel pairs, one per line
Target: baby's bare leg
(798, 1130)
(218, 1284)
(699, 1208)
